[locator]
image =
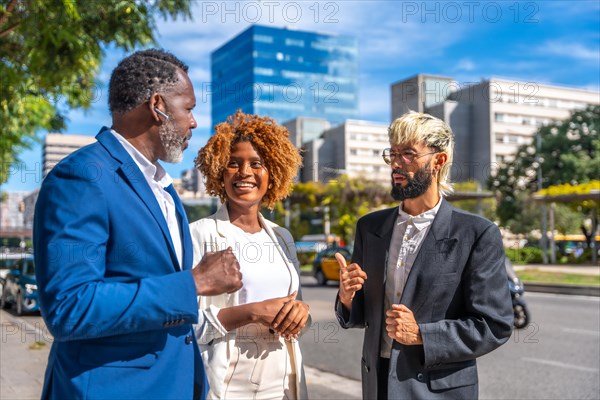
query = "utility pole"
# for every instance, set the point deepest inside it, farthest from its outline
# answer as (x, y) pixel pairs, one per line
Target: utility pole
(543, 239)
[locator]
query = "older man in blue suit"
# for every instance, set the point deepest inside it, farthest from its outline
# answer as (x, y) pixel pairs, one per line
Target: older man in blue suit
(427, 281)
(114, 253)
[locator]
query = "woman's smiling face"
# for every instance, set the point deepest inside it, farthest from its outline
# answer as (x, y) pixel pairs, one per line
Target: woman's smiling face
(245, 177)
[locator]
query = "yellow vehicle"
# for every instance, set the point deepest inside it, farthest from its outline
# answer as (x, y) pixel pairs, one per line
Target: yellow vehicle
(326, 267)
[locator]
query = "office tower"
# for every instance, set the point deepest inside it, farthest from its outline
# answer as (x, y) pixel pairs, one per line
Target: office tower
(305, 129)
(490, 119)
(284, 74)
(352, 148)
(57, 146)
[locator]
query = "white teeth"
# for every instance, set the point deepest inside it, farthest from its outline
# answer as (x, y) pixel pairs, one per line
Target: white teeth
(244, 184)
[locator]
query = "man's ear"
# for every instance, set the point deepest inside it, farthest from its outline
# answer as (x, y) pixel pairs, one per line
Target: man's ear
(155, 102)
(440, 160)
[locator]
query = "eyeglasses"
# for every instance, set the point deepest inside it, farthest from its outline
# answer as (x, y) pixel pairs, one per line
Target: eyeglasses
(408, 156)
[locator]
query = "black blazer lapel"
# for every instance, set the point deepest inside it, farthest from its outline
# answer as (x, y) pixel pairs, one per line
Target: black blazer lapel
(428, 262)
(377, 246)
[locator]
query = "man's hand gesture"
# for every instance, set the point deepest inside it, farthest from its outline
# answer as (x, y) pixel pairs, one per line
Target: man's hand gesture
(401, 325)
(218, 272)
(352, 278)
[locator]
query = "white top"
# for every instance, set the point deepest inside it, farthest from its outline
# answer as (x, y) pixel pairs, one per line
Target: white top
(216, 343)
(407, 238)
(265, 274)
(158, 179)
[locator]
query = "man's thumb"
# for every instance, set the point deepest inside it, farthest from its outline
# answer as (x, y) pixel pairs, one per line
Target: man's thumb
(341, 260)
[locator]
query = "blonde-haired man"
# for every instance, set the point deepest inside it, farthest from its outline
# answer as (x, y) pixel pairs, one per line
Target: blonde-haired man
(427, 281)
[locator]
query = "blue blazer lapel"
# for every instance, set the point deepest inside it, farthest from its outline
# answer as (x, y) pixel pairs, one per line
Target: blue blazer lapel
(186, 237)
(128, 170)
(429, 260)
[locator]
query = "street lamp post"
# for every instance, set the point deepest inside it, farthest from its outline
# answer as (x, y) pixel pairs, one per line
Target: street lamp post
(543, 239)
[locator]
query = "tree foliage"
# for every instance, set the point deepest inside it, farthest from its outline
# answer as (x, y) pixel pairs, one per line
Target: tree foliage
(347, 200)
(569, 154)
(51, 52)
(485, 207)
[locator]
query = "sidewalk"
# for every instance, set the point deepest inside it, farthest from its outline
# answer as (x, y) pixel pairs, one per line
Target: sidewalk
(569, 268)
(568, 289)
(23, 356)
(24, 352)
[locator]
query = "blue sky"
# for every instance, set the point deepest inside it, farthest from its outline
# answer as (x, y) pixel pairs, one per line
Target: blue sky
(551, 42)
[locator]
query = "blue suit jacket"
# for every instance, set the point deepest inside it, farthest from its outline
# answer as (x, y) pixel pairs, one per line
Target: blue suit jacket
(112, 294)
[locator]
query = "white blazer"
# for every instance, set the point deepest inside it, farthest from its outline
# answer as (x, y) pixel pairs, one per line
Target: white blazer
(216, 344)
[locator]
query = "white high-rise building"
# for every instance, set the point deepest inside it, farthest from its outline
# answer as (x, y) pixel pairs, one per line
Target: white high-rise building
(57, 146)
(490, 119)
(352, 148)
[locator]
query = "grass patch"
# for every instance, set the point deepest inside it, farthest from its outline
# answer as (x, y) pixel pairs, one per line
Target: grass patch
(536, 275)
(38, 345)
(306, 268)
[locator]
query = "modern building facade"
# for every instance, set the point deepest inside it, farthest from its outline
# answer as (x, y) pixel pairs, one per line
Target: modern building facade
(284, 74)
(490, 119)
(57, 146)
(352, 148)
(420, 92)
(305, 129)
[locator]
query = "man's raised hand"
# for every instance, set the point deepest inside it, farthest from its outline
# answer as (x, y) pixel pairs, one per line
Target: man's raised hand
(352, 278)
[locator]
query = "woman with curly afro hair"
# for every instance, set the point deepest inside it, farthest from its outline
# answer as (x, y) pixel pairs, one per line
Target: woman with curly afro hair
(249, 337)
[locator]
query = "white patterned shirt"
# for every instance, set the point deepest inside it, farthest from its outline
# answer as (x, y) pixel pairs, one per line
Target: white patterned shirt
(407, 238)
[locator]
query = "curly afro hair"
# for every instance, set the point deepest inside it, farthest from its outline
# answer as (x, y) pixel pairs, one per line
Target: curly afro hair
(281, 158)
(139, 76)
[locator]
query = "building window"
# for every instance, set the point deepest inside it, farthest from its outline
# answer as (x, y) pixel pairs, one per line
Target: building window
(353, 152)
(294, 42)
(264, 71)
(498, 117)
(263, 38)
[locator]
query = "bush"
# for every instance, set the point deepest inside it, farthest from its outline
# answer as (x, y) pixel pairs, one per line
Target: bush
(525, 255)
(306, 257)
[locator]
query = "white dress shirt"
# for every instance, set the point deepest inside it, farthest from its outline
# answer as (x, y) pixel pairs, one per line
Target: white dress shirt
(407, 238)
(158, 179)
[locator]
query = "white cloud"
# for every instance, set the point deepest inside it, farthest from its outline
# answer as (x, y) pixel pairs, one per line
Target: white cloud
(569, 49)
(465, 64)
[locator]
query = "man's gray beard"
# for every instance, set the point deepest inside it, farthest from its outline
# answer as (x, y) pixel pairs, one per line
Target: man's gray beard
(171, 142)
(415, 186)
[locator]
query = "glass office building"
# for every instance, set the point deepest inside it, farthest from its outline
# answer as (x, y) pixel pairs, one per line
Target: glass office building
(285, 74)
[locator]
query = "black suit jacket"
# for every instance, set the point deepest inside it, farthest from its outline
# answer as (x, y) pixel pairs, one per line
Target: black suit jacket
(458, 292)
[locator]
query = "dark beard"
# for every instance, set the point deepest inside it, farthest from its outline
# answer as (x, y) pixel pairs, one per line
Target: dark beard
(415, 186)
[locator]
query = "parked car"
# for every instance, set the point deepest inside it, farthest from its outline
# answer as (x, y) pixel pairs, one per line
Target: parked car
(20, 289)
(7, 261)
(325, 265)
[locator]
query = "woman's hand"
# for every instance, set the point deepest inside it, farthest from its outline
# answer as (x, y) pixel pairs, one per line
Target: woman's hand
(291, 318)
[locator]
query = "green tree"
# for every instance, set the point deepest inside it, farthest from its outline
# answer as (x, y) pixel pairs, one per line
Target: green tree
(485, 207)
(569, 153)
(51, 52)
(351, 198)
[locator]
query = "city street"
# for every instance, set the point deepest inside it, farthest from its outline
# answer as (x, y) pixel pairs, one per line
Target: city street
(556, 357)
